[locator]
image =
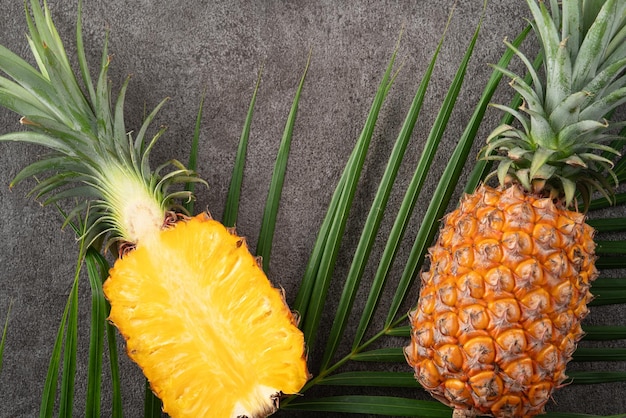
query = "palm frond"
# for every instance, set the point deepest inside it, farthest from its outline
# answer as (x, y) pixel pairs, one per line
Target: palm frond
(268, 224)
(4, 334)
(231, 210)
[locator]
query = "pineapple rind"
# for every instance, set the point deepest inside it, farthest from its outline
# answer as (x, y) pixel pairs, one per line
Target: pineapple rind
(209, 331)
(499, 311)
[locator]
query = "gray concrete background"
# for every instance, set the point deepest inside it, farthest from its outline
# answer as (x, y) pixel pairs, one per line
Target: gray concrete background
(180, 49)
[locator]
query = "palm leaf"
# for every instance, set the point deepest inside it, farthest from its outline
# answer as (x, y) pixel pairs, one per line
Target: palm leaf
(378, 405)
(311, 297)
(3, 340)
(231, 209)
(70, 345)
(151, 403)
(268, 224)
(192, 164)
(445, 188)
(96, 341)
(65, 347)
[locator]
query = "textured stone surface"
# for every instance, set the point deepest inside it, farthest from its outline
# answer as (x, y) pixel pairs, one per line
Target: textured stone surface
(182, 49)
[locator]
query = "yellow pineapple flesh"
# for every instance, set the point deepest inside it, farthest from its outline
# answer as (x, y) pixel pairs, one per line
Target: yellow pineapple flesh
(499, 311)
(200, 318)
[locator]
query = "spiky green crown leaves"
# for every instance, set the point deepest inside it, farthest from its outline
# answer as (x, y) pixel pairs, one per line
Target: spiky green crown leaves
(93, 159)
(565, 140)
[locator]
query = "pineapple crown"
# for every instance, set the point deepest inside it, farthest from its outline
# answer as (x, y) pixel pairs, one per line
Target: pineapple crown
(92, 159)
(565, 141)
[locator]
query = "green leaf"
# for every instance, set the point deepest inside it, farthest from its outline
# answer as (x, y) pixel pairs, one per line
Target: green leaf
(192, 164)
(4, 334)
(609, 283)
(442, 194)
(392, 406)
(608, 263)
(600, 354)
(80, 52)
(396, 355)
(604, 332)
(370, 231)
(97, 328)
(231, 210)
(566, 112)
(152, 404)
(541, 156)
(268, 224)
(610, 247)
(385, 355)
(372, 379)
(378, 405)
(121, 138)
(70, 347)
(607, 296)
(111, 332)
(50, 386)
(140, 146)
(531, 68)
(558, 64)
(523, 88)
(601, 203)
(593, 47)
(483, 165)
(592, 378)
(38, 139)
(31, 81)
(311, 297)
(20, 100)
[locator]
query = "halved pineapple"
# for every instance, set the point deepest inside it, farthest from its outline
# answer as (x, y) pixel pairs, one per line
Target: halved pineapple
(212, 336)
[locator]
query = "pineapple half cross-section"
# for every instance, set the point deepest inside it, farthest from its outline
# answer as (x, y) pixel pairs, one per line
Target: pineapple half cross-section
(212, 335)
(499, 310)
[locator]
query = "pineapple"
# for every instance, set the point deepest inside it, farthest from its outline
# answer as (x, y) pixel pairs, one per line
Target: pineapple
(211, 334)
(499, 310)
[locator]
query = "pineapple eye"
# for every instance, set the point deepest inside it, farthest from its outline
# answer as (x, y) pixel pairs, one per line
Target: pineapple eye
(513, 341)
(480, 350)
(539, 393)
(471, 284)
(488, 253)
(428, 374)
(486, 385)
(529, 274)
(456, 391)
(449, 357)
(499, 280)
(448, 293)
(506, 309)
(508, 406)
(516, 245)
(448, 324)
(475, 317)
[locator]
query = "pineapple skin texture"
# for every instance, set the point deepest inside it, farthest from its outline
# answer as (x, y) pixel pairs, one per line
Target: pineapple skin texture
(499, 311)
(212, 335)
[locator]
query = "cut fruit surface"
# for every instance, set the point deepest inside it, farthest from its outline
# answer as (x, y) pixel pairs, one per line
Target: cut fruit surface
(211, 333)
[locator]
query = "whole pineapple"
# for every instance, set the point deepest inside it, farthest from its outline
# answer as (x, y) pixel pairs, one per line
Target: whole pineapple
(212, 335)
(499, 311)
